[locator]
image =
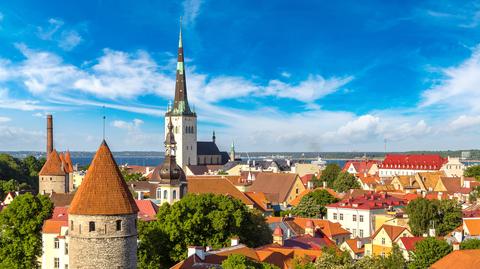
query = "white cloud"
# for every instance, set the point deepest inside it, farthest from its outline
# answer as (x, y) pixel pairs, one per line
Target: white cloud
(308, 91)
(12, 103)
(15, 138)
(285, 74)
(191, 9)
(69, 40)
(135, 136)
(460, 87)
(465, 122)
(4, 119)
(66, 38)
(130, 126)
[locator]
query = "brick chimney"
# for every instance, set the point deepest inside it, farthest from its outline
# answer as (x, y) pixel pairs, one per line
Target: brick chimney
(49, 134)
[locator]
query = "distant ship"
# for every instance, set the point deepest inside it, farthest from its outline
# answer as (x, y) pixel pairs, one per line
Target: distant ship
(319, 161)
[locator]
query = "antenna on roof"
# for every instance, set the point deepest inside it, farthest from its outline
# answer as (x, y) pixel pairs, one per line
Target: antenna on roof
(104, 122)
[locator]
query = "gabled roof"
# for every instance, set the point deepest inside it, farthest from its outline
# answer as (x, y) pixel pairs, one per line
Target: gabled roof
(207, 148)
(204, 169)
(53, 166)
(147, 210)
(352, 244)
(361, 166)
(277, 183)
(259, 199)
(473, 226)
(459, 259)
(61, 199)
(413, 161)
(409, 242)
(370, 201)
(103, 190)
(392, 231)
(215, 185)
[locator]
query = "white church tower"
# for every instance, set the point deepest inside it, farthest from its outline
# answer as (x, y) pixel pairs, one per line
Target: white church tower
(183, 119)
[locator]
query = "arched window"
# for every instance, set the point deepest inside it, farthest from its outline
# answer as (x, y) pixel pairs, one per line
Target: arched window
(174, 194)
(159, 193)
(91, 226)
(165, 194)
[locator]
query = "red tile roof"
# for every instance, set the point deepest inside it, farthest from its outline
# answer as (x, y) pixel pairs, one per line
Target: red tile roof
(409, 242)
(361, 166)
(147, 210)
(413, 161)
(103, 190)
(370, 201)
(306, 178)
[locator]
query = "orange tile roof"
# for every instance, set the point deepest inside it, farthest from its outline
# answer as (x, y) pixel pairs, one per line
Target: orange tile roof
(216, 185)
(473, 226)
(279, 183)
(352, 243)
(459, 259)
(51, 226)
(392, 231)
(103, 190)
(298, 199)
(330, 229)
(259, 199)
(53, 166)
(68, 161)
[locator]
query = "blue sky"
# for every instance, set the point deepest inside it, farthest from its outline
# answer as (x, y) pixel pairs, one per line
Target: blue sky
(270, 75)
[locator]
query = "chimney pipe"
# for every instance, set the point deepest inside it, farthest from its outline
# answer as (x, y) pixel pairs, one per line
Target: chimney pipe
(49, 134)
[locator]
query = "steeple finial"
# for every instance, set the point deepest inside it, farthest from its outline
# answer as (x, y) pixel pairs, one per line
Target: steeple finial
(213, 136)
(180, 43)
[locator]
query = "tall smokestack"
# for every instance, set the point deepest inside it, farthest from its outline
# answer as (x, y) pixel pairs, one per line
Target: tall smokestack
(49, 134)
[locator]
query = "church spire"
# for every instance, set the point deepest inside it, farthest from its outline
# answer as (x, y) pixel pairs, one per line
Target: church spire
(180, 105)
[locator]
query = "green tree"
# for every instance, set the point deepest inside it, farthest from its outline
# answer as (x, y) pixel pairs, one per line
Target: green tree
(449, 215)
(151, 240)
(394, 260)
(427, 252)
(345, 181)
(237, 261)
(332, 258)
(129, 176)
(330, 174)
(203, 220)
(316, 181)
(474, 194)
(446, 215)
(472, 243)
(473, 171)
(313, 204)
(20, 226)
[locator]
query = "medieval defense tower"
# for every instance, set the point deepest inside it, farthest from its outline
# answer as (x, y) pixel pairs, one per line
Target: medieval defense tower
(102, 218)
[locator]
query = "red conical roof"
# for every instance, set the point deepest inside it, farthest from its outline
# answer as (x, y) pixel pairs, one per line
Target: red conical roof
(68, 160)
(103, 190)
(53, 166)
(278, 231)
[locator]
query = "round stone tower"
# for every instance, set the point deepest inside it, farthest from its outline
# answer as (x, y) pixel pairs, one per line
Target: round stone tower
(52, 177)
(102, 218)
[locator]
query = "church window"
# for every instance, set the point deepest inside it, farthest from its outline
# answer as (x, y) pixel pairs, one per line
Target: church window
(119, 225)
(165, 194)
(56, 243)
(174, 194)
(91, 226)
